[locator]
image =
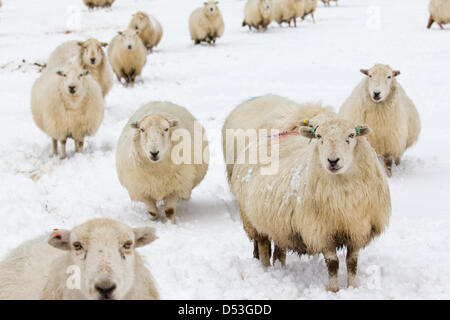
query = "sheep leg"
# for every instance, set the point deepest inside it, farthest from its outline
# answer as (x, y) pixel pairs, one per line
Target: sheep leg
(151, 208)
(441, 26)
(388, 164)
(352, 267)
(332, 262)
(171, 206)
(430, 22)
(313, 19)
(63, 148)
(79, 145)
(279, 254)
(55, 147)
(264, 250)
(255, 250)
(397, 161)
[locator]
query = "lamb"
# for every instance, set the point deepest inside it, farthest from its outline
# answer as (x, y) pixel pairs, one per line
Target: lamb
(57, 267)
(285, 11)
(257, 14)
(98, 3)
(330, 192)
(439, 13)
(380, 101)
(148, 160)
(67, 103)
(150, 30)
(285, 117)
(89, 55)
(327, 2)
(206, 23)
(309, 8)
(127, 55)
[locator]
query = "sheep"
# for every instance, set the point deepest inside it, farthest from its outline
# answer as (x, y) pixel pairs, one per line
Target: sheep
(309, 8)
(127, 55)
(285, 117)
(258, 14)
(67, 103)
(439, 13)
(89, 55)
(57, 266)
(147, 164)
(206, 23)
(285, 11)
(327, 2)
(91, 4)
(330, 192)
(150, 30)
(380, 101)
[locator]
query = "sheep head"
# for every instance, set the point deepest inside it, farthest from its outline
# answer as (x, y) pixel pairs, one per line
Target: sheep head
(73, 81)
(210, 8)
(379, 81)
(91, 52)
(265, 8)
(104, 252)
(130, 38)
(140, 21)
(154, 135)
(335, 141)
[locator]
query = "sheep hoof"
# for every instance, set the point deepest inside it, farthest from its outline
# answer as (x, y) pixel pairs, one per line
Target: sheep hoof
(332, 289)
(397, 161)
(170, 214)
(153, 216)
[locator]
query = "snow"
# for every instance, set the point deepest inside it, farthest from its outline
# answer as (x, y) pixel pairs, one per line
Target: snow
(207, 255)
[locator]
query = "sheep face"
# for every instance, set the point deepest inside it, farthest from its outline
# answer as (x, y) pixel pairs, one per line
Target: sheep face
(103, 252)
(73, 83)
(335, 141)
(265, 7)
(91, 52)
(129, 39)
(140, 21)
(154, 133)
(210, 8)
(379, 81)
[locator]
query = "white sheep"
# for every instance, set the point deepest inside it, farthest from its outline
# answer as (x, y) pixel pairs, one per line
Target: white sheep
(127, 55)
(380, 101)
(278, 113)
(258, 14)
(439, 13)
(147, 157)
(206, 23)
(309, 8)
(67, 103)
(150, 30)
(330, 191)
(98, 3)
(90, 56)
(285, 11)
(327, 2)
(96, 260)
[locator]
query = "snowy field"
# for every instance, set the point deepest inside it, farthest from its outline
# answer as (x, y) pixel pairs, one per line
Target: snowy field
(207, 254)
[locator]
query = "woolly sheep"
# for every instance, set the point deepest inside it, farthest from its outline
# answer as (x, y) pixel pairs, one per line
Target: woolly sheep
(98, 3)
(150, 30)
(285, 11)
(127, 55)
(206, 23)
(258, 14)
(380, 101)
(90, 56)
(279, 113)
(47, 267)
(146, 161)
(309, 8)
(67, 103)
(439, 13)
(327, 2)
(330, 192)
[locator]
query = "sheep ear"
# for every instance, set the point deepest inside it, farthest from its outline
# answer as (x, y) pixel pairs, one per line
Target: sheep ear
(396, 73)
(143, 236)
(135, 124)
(364, 71)
(363, 130)
(308, 132)
(104, 44)
(119, 33)
(174, 122)
(303, 123)
(80, 43)
(60, 73)
(86, 72)
(60, 239)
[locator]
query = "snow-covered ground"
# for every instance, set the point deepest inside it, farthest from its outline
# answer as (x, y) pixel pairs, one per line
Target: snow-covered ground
(207, 254)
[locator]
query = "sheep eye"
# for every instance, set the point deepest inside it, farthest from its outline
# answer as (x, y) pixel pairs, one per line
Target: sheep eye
(137, 27)
(77, 246)
(127, 245)
(142, 130)
(318, 136)
(351, 136)
(370, 76)
(389, 77)
(166, 129)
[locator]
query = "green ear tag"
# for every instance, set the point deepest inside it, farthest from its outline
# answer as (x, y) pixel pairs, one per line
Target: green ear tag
(358, 130)
(313, 130)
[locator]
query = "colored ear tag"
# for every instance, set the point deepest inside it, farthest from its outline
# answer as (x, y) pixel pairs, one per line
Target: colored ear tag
(313, 130)
(135, 123)
(358, 130)
(306, 122)
(58, 236)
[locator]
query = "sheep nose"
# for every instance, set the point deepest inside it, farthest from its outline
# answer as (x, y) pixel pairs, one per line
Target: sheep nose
(92, 60)
(72, 89)
(154, 154)
(105, 288)
(376, 95)
(333, 162)
(129, 47)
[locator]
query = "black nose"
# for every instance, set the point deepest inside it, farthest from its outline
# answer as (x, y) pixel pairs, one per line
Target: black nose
(333, 162)
(376, 94)
(154, 154)
(92, 60)
(72, 89)
(130, 47)
(105, 288)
